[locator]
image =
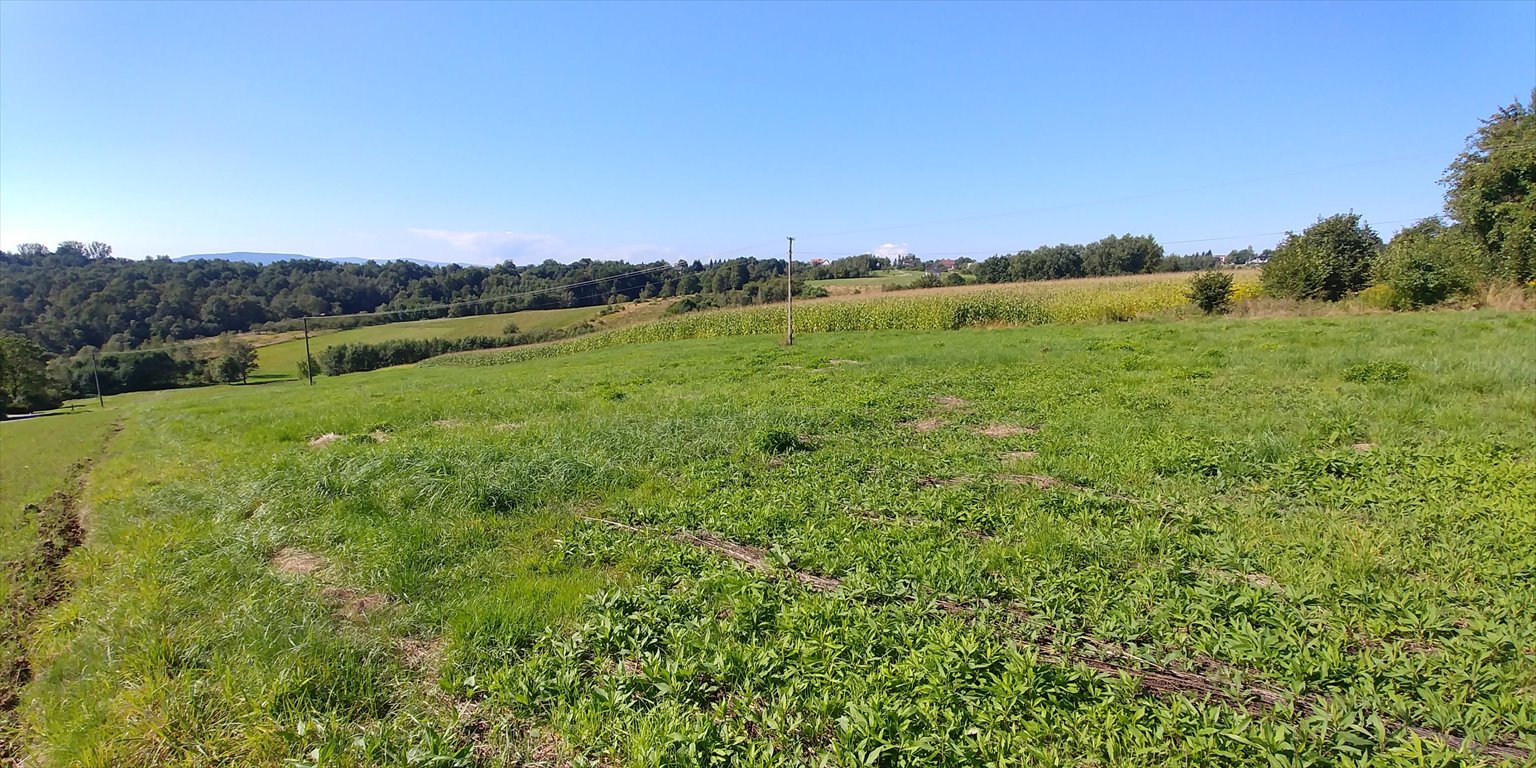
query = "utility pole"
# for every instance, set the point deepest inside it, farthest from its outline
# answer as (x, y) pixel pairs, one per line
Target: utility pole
(309, 362)
(96, 376)
(789, 294)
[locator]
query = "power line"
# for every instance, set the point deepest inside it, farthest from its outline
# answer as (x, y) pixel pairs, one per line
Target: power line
(1144, 196)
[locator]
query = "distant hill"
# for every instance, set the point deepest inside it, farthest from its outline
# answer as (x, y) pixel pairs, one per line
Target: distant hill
(245, 256)
(263, 259)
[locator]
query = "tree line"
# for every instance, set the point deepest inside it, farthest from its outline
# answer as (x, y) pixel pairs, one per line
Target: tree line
(77, 296)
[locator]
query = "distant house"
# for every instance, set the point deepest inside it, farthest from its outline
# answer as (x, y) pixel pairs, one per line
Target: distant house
(818, 262)
(949, 264)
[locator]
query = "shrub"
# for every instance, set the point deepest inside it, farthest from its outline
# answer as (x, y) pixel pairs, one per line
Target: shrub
(1211, 291)
(309, 367)
(1428, 263)
(1327, 261)
(1381, 297)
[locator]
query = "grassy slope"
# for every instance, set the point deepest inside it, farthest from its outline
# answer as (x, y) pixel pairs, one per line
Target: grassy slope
(878, 278)
(283, 358)
(1394, 580)
(1029, 303)
(38, 454)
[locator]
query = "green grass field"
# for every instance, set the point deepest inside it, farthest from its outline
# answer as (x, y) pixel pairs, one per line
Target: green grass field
(37, 456)
(877, 280)
(1285, 541)
(282, 358)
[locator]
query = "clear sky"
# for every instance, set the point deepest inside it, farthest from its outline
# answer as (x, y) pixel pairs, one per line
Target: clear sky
(484, 131)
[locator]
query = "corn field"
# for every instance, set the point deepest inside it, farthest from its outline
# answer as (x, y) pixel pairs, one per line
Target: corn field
(1067, 301)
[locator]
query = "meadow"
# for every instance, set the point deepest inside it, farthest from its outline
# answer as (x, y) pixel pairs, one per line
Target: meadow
(282, 358)
(1032, 303)
(877, 281)
(1230, 542)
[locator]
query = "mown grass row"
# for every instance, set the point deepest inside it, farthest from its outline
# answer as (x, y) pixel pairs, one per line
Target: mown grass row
(1032, 304)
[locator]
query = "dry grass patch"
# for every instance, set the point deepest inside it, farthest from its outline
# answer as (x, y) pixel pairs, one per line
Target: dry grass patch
(924, 425)
(1005, 430)
(354, 604)
(296, 562)
(329, 437)
(1039, 481)
(1018, 455)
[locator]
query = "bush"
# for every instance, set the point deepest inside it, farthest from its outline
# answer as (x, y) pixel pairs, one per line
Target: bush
(690, 304)
(1327, 261)
(1381, 297)
(308, 368)
(1428, 263)
(1211, 291)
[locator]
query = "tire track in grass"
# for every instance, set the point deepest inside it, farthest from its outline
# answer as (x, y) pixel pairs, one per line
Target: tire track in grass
(37, 582)
(1111, 659)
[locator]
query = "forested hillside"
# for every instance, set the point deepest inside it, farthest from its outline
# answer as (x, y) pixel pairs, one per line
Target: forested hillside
(78, 295)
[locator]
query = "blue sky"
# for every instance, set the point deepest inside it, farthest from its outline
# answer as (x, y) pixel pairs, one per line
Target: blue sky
(482, 131)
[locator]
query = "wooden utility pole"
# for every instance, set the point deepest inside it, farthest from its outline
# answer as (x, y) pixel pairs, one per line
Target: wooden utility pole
(309, 362)
(789, 295)
(96, 376)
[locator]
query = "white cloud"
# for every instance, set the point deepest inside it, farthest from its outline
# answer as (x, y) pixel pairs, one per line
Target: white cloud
(892, 250)
(492, 247)
(489, 247)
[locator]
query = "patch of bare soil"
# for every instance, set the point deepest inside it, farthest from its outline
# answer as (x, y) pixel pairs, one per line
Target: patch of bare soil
(379, 435)
(929, 481)
(296, 561)
(1005, 430)
(1018, 455)
(424, 654)
(924, 425)
(1363, 447)
(549, 749)
(1039, 481)
(329, 437)
(1256, 579)
(948, 402)
(354, 604)
(842, 361)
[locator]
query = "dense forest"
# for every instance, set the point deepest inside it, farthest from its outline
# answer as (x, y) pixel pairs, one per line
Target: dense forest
(78, 295)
